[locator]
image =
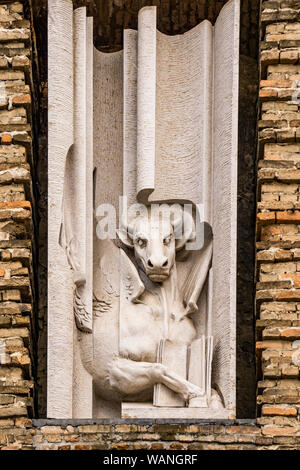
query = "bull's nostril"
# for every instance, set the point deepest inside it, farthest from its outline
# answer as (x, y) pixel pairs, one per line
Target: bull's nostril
(165, 264)
(150, 264)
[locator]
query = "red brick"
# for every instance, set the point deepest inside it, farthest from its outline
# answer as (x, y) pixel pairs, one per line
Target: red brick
(266, 217)
(6, 139)
(269, 410)
(21, 100)
(288, 217)
(276, 83)
(294, 277)
(293, 294)
(290, 333)
(15, 205)
(266, 94)
(269, 344)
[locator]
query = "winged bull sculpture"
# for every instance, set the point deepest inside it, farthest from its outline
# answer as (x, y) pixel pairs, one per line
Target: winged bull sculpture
(140, 309)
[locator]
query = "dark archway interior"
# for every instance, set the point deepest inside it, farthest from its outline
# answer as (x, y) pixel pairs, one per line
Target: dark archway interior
(174, 17)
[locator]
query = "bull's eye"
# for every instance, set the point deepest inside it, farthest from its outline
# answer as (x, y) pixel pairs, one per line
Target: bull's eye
(141, 242)
(167, 240)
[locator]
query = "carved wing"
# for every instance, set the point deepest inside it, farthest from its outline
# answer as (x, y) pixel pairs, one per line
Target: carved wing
(114, 271)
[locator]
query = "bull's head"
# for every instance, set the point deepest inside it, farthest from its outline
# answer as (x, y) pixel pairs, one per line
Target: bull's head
(155, 239)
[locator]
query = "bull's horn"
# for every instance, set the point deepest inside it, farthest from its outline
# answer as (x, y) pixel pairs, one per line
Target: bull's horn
(184, 229)
(125, 233)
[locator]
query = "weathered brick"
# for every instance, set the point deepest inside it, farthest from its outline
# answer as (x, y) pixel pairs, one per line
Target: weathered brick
(260, 345)
(126, 428)
(92, 428)
(268, 94)
(12, 410)
(270, 430)
(51, 430)
(270, 57)
(20, 62)
(266, 217)
(275, 410)
(291, 333)
(21, 100)
(14, 34)
(88, 447)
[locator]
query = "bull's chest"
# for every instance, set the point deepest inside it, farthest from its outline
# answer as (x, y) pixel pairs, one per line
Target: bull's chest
(143, 326)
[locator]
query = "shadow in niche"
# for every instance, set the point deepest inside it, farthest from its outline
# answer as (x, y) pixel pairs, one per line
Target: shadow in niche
(245, 365)
(173, 18)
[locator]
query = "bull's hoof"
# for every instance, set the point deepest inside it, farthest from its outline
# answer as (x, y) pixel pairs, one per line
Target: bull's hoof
(201, 401)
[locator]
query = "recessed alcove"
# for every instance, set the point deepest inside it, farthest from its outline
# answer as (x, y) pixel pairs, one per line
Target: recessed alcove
(173, 18)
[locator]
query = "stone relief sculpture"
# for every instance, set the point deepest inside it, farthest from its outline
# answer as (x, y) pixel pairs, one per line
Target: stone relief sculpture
(142, 310)
(154, 321)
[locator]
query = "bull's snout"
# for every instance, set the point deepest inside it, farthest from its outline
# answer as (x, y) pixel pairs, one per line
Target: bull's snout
(158, 269)
(157, 263)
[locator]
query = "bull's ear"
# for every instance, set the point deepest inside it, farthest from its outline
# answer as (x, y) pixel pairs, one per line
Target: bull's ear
(125, 238)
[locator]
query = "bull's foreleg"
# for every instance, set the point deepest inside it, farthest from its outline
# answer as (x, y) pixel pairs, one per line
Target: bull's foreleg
(129, 378)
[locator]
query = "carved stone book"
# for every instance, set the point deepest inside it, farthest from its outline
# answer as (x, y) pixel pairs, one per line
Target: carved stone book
(175, 357)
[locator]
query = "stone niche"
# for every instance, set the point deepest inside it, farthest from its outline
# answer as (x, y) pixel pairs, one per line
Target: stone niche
(143, 149)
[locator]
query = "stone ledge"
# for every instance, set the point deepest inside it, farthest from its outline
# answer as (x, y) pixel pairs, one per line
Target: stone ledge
(38, 423)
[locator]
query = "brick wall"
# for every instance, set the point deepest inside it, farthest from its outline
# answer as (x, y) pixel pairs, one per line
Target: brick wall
(278, 262)
(278, 224)
(16, 226)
